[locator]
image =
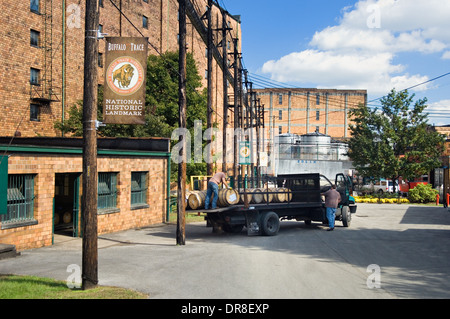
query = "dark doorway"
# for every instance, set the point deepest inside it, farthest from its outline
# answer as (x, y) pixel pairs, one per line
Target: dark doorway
(66, 204)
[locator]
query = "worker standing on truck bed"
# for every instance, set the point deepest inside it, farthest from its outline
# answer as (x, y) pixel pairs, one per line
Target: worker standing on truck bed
(332, 200)
(213, 188)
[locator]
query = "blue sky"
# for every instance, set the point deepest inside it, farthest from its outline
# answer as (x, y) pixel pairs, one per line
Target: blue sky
(367, 44)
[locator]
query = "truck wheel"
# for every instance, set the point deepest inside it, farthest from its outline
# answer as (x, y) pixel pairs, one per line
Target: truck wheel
(270, 224)
(346, 216)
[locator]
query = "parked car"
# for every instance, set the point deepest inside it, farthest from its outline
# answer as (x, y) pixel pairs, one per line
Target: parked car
(381, 186)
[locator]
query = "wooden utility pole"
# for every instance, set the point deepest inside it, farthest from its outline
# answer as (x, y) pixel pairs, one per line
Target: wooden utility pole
(89, 203)
(181, 199)
(209, 166)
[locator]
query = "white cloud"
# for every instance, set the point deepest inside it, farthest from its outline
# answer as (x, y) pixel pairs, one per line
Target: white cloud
(360, 51)
(439, 112)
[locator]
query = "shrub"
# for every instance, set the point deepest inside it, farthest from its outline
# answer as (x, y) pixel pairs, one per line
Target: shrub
(422, 194)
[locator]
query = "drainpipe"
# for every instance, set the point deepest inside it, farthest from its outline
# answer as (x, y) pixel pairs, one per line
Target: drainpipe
(63, 92)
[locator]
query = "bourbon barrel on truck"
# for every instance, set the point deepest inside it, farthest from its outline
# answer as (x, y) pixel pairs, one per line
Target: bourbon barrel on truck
(267, 194)
(228, 197)
(197, 199)
(279, 196)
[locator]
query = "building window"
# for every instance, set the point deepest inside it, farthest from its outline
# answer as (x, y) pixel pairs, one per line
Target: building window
(20, 206)
(280, 130)
(317, 99)
(34, 38)
(317, 115)
(35, 112)
(107, 191)
(100, 60)
(34, 76)
(317, 129)
(280, 99)
(100, 3)
(146, 1)
(139, 188)
(145, 22)
(34, 6)
(280, 115)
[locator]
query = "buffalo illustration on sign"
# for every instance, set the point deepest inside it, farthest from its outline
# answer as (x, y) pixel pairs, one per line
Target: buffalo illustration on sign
(125, 76)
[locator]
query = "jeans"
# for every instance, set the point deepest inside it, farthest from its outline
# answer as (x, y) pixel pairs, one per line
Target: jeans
(213, 188)
(331, 216)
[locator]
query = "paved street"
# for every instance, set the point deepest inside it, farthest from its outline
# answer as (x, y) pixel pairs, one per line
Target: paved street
(409, 244)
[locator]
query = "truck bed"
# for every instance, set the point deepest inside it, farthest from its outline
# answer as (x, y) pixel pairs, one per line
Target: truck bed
(263, 206)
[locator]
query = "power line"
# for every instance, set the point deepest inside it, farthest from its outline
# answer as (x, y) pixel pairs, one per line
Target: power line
(159, 53)
(417, 85)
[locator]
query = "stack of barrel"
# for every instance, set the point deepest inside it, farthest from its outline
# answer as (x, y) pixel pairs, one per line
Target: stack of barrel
(226, 198)
(264, 195)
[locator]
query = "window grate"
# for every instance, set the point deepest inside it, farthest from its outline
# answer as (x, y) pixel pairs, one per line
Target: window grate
(20, 196)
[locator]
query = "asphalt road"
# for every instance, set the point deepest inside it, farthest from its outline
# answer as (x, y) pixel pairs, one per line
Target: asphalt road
(390, 251)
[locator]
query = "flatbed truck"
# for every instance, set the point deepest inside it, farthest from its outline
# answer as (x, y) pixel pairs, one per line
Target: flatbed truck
(305, 204)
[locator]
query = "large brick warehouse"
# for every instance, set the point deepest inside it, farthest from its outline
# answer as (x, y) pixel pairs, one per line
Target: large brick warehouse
(42, 54)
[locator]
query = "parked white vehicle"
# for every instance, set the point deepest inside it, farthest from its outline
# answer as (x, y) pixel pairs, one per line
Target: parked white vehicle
(382, 186)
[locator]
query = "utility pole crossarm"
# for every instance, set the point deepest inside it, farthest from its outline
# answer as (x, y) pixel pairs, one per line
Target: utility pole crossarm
(198, 24)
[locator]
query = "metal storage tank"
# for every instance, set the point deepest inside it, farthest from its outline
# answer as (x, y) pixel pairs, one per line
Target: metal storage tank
(316, 146)
(286, 142)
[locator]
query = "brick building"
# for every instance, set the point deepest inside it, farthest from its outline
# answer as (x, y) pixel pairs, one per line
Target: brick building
(302, 111)
(42, 54)
(44, 178)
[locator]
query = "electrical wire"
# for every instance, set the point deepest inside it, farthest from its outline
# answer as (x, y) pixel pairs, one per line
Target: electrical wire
(159, 53)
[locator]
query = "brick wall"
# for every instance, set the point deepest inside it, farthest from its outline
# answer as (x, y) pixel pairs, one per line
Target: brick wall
(18, 56)
(46, 166)
(310, 109)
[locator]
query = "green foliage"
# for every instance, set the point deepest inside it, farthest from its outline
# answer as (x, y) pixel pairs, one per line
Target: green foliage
(422, 194)
(161, 102)
(394, 141)
(161, 107)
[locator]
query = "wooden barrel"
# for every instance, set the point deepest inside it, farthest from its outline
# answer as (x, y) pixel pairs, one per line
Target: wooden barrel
(197, 199)
(257, 196)
(228, 197)
(250, 192)
(188, 193)
(267, 195)
(67, 217)
(279, 196)
(288, 194)
(56, 219)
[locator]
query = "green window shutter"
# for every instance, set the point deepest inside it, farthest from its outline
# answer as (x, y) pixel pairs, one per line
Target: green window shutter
(4, 185)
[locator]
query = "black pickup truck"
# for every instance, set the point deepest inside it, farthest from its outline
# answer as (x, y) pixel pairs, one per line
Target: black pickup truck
(304, 203)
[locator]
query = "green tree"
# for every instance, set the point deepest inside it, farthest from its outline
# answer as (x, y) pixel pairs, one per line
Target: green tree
(395, 140)
(161, 102)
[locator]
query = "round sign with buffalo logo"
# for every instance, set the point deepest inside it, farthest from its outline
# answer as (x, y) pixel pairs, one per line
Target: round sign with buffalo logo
(125, 76)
